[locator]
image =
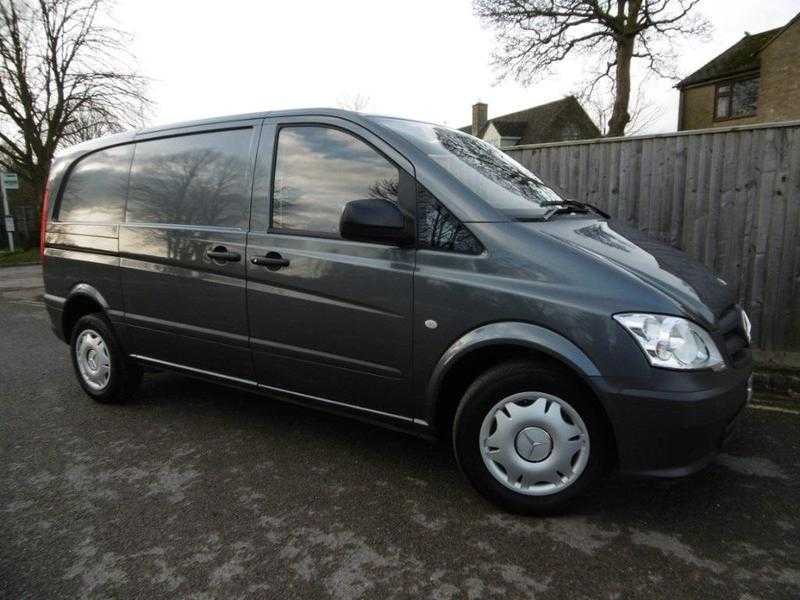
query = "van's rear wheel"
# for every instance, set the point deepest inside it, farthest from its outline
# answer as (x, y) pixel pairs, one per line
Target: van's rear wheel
(103, 370)
(528, 438)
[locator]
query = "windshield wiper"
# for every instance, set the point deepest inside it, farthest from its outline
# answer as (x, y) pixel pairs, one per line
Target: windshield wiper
(571, 206)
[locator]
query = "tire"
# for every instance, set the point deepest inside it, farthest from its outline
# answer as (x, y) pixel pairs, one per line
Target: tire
(93, 345)
(500, 447)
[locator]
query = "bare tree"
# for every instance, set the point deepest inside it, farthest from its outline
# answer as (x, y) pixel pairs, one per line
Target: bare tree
(643, 110)
(355, 102)
(64, 78)
(535, 35)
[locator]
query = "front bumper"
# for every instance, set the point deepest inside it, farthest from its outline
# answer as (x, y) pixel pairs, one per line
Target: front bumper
(675, 432)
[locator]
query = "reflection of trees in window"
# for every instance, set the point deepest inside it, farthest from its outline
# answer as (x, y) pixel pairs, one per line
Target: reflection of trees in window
(95, 190)
(187, 181)
(196, 180)
(319, 170)
(191, 188)
(493, 165)
(285, 200)
(439, 229)
(385, 189)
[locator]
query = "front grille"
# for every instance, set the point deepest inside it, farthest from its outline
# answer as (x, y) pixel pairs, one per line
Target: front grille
(733, 335)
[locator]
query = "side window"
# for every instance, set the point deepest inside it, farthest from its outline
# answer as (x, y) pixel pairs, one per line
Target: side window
(197, 179)
(320, 169)
(439, 229)
(96, 187)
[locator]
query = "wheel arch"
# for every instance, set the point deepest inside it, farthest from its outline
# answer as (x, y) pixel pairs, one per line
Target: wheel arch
(83, 299)
(492, 344)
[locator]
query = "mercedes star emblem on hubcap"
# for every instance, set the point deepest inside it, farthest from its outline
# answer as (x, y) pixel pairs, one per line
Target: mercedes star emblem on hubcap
(534, 444)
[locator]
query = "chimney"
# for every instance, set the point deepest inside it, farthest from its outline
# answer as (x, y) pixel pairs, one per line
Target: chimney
(480, 111)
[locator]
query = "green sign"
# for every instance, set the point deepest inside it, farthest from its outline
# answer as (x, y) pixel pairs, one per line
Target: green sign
(10, 181)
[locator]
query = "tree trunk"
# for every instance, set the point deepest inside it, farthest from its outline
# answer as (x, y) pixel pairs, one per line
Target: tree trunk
(622, 91)
(38, 182)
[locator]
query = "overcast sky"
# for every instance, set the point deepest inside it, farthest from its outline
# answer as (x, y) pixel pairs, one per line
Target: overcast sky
(425, 59)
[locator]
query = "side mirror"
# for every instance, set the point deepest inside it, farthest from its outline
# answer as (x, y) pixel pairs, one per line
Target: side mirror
(375, 220)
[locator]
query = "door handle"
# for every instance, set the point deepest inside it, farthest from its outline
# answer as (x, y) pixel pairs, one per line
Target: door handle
(221, 253)
(273, 261)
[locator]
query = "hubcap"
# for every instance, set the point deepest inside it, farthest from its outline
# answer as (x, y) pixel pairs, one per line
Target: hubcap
(534, 443)
(94, 362)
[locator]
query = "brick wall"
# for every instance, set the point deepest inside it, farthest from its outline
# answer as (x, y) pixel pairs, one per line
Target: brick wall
(698, 110)
(779, 93)
(780, 77)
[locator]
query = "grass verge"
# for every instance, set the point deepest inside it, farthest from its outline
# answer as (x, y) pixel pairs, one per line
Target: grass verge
(19, 257)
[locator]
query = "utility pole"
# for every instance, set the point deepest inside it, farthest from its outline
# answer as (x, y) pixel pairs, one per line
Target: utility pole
(7, 213)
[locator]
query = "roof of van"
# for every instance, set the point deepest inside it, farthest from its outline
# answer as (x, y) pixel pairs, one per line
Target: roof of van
(432, 175)
(126, 136)
(331, 112)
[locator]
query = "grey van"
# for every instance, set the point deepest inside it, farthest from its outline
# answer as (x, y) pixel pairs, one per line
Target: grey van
(399, 272)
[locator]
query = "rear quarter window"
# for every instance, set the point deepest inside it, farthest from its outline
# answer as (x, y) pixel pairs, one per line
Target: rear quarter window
(198, 179)
(96, 187)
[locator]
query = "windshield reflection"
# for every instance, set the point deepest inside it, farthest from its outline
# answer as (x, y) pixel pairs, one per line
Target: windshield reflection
(487, 171)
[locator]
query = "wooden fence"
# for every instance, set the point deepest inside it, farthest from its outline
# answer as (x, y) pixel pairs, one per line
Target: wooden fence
(729, 197)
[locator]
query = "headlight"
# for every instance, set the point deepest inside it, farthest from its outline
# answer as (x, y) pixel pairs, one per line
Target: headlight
(672, 342)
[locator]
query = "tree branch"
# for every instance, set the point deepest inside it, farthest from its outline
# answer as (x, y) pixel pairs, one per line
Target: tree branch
(64, 77)
(534, 36)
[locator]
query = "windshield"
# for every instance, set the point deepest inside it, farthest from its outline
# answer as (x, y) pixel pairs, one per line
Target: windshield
(487, 171)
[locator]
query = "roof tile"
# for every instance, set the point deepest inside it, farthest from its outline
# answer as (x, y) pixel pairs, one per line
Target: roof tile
(739, 58)
(532, 124)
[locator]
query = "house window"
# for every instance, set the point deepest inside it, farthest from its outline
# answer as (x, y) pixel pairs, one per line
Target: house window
(736, 99)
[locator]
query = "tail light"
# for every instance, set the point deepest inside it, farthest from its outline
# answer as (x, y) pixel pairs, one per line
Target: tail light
(43, 223)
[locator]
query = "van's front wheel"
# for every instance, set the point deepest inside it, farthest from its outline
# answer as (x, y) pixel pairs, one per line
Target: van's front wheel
(103, 370)
(527, 438)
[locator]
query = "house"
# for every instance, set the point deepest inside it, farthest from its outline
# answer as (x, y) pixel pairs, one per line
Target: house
(757, 80)
(556, 121)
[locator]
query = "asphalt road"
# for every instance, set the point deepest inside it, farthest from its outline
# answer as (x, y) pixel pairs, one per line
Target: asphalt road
(199, 491)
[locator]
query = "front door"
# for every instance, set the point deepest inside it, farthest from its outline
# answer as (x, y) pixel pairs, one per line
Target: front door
(330, 319)
(182, 249)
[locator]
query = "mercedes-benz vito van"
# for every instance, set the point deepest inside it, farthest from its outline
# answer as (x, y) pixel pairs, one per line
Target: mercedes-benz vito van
(400, 272)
